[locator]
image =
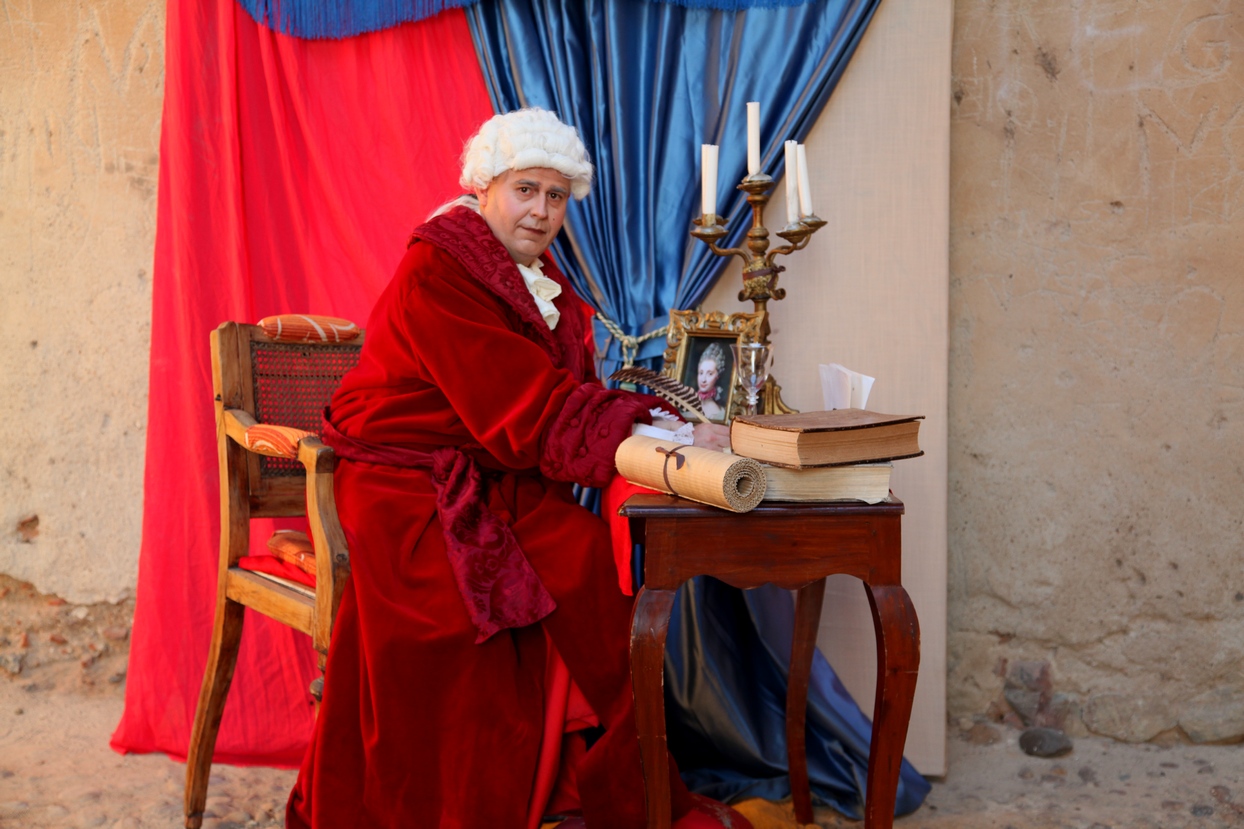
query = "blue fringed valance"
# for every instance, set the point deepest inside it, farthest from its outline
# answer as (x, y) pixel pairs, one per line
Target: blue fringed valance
(335, 19)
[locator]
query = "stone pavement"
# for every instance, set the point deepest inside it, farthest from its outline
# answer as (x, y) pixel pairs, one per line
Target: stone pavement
(1101, 784)
(62, 676)
(56, 770)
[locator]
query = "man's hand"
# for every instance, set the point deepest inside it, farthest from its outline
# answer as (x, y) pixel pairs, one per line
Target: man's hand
(711, 436)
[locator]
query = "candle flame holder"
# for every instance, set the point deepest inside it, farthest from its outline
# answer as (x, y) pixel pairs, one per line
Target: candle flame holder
(760, 273)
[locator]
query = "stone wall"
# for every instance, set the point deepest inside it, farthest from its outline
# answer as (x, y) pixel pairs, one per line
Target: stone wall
(1097, 342)
(81, 85)
(1097, 362)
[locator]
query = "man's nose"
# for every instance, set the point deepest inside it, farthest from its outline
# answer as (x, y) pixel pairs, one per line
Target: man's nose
(540, 206)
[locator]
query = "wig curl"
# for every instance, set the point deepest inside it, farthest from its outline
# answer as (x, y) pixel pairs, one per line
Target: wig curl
(716, 355)
(523, 139)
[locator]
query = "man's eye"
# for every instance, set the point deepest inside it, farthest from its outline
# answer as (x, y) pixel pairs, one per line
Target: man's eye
(524, 190)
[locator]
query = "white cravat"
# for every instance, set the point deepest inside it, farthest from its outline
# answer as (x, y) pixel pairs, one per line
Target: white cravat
(543, 291)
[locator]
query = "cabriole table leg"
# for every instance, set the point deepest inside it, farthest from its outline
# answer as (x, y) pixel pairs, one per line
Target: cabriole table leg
(807, 621)
(898, 660)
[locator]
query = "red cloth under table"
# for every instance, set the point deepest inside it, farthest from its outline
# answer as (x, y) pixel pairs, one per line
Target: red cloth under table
(611, 500)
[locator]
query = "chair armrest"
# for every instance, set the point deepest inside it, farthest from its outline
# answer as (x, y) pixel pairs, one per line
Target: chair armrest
(269, 439)
(332, 557)
(237, 421)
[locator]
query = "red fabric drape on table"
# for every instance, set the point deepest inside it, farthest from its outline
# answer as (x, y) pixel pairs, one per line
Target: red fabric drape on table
(291, 174)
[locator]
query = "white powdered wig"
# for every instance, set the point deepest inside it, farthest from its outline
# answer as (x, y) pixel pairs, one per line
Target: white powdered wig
(465, 200)
(524, 139)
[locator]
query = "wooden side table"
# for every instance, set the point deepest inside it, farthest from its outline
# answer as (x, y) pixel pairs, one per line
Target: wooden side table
(794, 546)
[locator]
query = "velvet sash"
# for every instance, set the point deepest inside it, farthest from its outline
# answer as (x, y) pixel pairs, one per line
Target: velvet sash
(498, 585)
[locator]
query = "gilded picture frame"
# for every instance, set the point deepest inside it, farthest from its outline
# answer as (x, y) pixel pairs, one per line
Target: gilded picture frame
(698, 342)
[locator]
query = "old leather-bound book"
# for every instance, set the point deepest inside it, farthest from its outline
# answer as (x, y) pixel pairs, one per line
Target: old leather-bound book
(839, 436)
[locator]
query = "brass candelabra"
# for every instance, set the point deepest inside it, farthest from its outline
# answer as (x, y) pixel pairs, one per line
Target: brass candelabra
(760, 274)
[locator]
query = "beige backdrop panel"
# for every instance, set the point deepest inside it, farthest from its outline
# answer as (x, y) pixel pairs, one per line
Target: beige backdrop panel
(870, 292)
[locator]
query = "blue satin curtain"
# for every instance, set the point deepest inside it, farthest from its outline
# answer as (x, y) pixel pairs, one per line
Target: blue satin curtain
(727, 658)
(646, 84)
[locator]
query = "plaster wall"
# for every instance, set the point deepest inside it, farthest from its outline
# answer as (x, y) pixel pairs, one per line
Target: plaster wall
(1097, 360)
(81, 85)
(1096, 398)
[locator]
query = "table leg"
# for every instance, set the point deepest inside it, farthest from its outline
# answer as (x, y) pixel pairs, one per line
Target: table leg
(649, 623)
(898, 660)
(807, 621)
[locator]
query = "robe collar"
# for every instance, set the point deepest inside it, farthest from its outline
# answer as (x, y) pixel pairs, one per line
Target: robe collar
(464, 235)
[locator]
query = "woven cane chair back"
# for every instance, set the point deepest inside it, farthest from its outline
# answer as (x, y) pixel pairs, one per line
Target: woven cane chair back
(292, 384)
(277, 382)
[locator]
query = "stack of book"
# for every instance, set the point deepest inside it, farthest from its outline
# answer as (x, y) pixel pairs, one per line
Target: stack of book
(827, 456)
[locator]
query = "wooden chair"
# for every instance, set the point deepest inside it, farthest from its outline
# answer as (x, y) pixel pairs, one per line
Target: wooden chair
(271, 385)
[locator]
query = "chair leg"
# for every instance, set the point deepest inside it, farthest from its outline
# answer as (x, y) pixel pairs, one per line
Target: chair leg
(221, 660)
(317, 684)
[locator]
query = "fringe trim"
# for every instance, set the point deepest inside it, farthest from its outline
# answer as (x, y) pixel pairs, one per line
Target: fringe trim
(735, 5)
(338, 19)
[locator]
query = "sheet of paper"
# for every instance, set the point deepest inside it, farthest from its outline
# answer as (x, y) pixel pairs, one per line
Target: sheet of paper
(842, 388)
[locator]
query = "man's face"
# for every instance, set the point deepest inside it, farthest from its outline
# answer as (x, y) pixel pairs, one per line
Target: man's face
(525, 210)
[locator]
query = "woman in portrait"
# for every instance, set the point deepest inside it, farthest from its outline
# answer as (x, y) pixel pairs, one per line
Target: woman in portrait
(712, 373)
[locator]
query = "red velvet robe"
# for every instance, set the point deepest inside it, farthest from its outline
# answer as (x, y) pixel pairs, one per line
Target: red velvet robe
(421, 726)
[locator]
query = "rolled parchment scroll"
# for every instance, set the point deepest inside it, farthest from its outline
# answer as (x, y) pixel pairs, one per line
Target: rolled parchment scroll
(704, 475)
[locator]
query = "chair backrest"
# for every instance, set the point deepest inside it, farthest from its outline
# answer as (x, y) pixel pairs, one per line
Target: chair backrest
(279, 383)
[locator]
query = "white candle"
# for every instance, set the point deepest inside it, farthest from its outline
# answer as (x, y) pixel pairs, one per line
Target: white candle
(753, 137)
(792, 188)
(708, 184)
(805, 186)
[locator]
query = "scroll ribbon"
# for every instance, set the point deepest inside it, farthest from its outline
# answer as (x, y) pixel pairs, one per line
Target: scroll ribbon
(679, 460)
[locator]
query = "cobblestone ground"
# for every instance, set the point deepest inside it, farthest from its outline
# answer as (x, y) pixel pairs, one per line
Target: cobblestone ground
(56, 770)
(62, 677)
(1101, 784)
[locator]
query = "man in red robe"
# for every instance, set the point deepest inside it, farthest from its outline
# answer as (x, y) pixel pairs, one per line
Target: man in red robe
(476, 578)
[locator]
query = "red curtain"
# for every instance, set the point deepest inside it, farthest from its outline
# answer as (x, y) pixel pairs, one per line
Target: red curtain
(291, 174)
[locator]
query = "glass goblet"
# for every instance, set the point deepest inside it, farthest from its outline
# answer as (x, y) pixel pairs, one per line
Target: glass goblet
(752, 362)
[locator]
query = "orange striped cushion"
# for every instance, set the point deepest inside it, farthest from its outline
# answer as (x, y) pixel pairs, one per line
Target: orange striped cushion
(274, 441)
(295, 548)
(308, 328)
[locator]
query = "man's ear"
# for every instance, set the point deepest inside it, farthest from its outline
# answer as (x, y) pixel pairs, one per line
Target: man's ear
(482, 196)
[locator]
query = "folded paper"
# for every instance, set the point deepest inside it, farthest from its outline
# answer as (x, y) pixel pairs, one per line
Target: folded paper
(842, 388)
